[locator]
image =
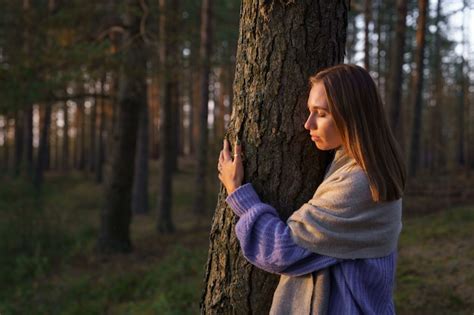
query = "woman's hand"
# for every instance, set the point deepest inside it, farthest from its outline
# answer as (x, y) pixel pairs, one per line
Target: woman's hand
(231, 173)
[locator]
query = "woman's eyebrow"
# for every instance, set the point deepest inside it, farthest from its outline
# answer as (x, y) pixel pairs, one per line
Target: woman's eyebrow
(317, 107)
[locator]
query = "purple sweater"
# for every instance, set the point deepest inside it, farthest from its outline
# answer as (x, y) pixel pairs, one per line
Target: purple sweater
(358, 286)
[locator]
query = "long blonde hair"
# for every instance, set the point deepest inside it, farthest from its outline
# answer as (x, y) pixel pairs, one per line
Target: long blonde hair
(357, 109)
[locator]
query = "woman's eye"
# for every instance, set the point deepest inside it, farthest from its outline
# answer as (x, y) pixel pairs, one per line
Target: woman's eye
(320, 114)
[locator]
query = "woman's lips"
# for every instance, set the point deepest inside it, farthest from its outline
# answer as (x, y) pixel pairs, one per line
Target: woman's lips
(315, 138)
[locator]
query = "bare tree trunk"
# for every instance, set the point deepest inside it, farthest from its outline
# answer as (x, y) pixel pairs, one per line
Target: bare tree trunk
(418, 87)
(200, 197)
(396, 79)
(368, 19)
(43, 148)
(168, 98)
(269, 110)
(28, 141)
(100, 141)
(437, 141)
(18, 143)
(114, 235)
(6, 153)
(93, 136)
(65, 157)
(140, 182)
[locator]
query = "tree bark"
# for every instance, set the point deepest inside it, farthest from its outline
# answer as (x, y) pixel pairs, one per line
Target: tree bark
(437, 142)
(28, 141)
(168, 98)
(280, 45)
(200, 197)
(100, 140)
(396, 79)
(140, 182)
(418, 87)
(114, 233)
(43, 149)
(65, 155)
(368, 19)
(93, 137)
(18, 143)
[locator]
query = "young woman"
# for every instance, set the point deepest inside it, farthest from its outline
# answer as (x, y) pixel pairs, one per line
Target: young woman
(337, 253)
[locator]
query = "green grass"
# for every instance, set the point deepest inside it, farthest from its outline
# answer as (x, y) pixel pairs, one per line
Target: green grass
(51, 267)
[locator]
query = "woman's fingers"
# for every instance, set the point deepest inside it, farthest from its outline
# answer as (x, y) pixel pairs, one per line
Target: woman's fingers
(226, 151)
(238, 152)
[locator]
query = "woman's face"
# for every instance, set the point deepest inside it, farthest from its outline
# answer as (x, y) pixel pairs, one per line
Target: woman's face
(320, 123)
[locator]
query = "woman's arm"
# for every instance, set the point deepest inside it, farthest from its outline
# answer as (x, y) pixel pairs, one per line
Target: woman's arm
(266, 240)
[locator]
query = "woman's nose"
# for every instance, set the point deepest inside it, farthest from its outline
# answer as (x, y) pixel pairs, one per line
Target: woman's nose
(309, 124)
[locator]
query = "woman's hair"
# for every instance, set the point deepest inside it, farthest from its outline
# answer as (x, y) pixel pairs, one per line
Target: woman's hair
(357, 109)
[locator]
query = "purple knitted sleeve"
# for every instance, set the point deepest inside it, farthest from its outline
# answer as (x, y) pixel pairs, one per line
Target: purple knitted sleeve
(266, 240)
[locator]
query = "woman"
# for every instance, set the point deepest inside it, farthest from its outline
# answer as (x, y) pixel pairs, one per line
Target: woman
(337, 253)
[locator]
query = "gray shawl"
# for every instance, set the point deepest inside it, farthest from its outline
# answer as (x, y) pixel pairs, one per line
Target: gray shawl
(341, 221)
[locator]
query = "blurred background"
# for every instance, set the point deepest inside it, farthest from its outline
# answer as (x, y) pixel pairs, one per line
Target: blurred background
(112, 115)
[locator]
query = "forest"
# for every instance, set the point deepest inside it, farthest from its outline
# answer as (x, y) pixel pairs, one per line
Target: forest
(113, 114)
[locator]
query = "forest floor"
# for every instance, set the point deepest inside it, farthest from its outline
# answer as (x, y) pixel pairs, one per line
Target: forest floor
(48, 264)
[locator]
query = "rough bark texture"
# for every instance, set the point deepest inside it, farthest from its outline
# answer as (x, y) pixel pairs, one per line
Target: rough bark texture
(418, 87)
(200, 205)
(396, 78)
(116, 214)
(280, 44)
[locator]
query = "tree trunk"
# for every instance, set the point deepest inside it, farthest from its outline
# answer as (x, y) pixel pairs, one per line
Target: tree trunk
(28, 141)
(437, 141)
(368, 19)
(140, 181)
(100, 141)
(168, 87)
(6, 152)
(81, 136)
(200, 197)
(114, 233)
(65, 157)
(92, 136)
(274, 61)
(418, 87)
(18, 143)
(43, 148)
(396, 78)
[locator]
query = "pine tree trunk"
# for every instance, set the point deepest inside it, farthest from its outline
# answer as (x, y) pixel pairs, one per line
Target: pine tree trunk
(18, 143)
(280, 45)
(140, 181)
(396, 79)
(168, 98)
(200, 196)
(418, 88)
(28, 141)
(116, 214)
(368, 19)
(437, 141)
(93, 137)
(100, 140)
(43, 149)
(65, 157)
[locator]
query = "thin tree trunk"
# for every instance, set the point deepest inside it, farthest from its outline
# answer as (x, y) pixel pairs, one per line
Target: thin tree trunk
(93, 137)
(395, 81)
(418, 88)
(18, 143)
(168, 86)
(368, 19)
(43, 148)
(270, 94)
(28, 141)
(140, 182)
(114, 235)
(200, 197)
(100, 141)
(437, 141)
(65, 157)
